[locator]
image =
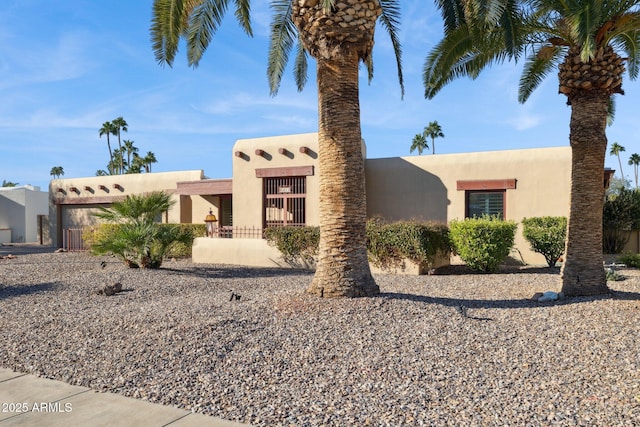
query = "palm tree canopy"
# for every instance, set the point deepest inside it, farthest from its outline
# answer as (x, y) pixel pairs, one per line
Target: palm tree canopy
(419, 143)
(478, 34)
(433, 130)
(197, 21)
(634, 159)
(616, 149)
(107, 129)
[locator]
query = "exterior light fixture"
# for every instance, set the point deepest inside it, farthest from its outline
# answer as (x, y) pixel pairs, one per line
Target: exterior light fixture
(209, 220)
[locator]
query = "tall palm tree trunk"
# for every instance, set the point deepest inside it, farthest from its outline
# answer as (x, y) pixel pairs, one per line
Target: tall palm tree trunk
(583, 271)
(343, 267)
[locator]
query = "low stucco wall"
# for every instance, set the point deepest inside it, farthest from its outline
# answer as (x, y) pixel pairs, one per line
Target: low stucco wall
(248, 252)
(258, 253)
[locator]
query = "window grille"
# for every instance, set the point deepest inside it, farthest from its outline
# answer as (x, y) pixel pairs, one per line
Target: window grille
(285, 201)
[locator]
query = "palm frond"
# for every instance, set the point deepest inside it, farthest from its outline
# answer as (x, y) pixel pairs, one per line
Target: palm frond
(283, 35)
(536, 69)
(300, 67)
(390, 20)
(203, 24)
(243, 15)
(166, 29)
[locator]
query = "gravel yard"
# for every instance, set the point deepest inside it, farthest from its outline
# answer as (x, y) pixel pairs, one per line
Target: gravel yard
(450, 349)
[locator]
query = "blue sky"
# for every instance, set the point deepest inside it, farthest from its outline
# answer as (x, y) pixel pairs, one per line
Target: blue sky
(68, 66)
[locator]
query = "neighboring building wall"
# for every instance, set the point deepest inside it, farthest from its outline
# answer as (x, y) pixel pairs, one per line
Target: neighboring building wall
(426, 187)
(72, 201)
(278, 154)
(19, 210)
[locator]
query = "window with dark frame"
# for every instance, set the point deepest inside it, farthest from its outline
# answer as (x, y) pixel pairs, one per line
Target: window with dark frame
(284, 201)
(485, 196)
(479, 203)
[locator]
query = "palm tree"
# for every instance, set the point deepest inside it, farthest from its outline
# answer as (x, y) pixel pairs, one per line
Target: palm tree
(130, 149)
(433, 131)
(147, 160)
(419, 143)
(338, 37)
(584, 40)
(634, 160)
(108, 129)
(121, 126)
(615, 150)
(56, 171)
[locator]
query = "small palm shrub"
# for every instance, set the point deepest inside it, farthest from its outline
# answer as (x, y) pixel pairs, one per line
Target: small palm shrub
(482, 243)
(134, 236)
(388, 244)
(295, 243)
(546, 235)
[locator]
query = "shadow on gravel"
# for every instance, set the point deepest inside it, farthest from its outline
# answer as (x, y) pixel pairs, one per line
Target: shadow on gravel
(20, 290)
(465, 303)
(237, 272)
(459, 270)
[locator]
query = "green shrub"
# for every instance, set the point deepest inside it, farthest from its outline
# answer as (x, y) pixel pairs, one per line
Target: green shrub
(630, 260)
(621, 213)
(388, 244)
(183, 250)
(546, 235)
(482, 243)
(295, 243)
(135, 237)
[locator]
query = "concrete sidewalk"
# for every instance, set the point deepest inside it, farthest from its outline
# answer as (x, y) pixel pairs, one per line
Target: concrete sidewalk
(26, 400)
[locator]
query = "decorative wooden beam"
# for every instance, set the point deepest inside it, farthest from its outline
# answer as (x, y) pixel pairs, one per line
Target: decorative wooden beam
(487, 184)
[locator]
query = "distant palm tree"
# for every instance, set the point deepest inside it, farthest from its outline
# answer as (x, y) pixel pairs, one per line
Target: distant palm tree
(433, 131)
(130, 149)
(121, 126)
(615, 150)
(101, 172)
(57, 172)
(634, 160)
(108, 129)
(419, 143)
(9, 183)
(147, 160)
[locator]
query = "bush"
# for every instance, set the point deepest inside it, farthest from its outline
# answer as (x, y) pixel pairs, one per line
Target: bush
(630, 260)
(546, 235)
(388, 244)
(621, 213)
(482, 243)
(295, 243)
(134, 236)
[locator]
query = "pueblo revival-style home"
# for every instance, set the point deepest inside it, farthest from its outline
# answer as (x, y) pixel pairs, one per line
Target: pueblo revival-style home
(275, 182)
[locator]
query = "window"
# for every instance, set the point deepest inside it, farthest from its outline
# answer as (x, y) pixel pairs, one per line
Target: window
(480, 203)
(485, 197)
(284, 201)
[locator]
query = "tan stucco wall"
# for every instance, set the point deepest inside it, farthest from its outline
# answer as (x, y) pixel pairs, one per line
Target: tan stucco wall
(249, 252)
(424, 187)
(78, 204)
(247, 188)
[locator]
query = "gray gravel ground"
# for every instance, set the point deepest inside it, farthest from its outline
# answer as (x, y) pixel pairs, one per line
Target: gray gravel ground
(278, 357)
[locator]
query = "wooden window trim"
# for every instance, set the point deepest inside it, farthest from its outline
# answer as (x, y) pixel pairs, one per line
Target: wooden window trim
(284, 172)
(487, 184)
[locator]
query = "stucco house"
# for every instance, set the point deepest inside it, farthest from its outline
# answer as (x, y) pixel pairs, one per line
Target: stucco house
(275, 182)
(23, 211)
